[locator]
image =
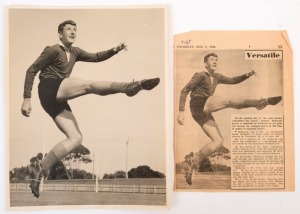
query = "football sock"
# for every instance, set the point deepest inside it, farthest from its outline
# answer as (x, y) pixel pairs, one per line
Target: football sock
(104, 88)
(198, 158)
(49, 160)
(250, 103)
(241, 103)
(58, 152)
(117, 87)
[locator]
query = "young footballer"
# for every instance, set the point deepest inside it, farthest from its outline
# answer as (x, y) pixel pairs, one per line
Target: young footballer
(56, 87)
(203, 103)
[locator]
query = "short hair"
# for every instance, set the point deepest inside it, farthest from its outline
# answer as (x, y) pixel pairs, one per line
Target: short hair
(208, 55)
(63, 24)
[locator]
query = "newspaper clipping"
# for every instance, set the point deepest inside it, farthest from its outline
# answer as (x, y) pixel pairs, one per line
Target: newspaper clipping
(233, 111)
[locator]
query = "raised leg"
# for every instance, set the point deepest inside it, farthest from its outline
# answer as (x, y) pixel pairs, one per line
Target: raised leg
(71, 88)
(215, 103)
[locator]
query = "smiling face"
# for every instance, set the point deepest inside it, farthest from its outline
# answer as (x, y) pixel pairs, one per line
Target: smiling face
(68, 35)
(211, 64)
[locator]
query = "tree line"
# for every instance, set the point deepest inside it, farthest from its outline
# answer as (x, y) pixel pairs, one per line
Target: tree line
(69, 168)
(139, 172)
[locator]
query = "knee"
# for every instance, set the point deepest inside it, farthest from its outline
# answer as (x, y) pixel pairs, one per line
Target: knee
(76, 139)
(218, 142)
(226, 103)
(88, 87)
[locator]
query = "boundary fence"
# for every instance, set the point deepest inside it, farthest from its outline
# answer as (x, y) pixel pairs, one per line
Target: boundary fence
(72, 187)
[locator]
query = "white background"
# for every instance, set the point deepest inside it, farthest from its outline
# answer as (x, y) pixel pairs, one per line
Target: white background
(198, 15)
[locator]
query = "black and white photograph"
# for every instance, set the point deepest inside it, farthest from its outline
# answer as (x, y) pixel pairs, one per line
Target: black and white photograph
(87, 107)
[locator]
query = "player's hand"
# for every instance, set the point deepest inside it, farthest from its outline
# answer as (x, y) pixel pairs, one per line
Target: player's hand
(251, 73)
(180, 118)
(120, 47)
(26, 107)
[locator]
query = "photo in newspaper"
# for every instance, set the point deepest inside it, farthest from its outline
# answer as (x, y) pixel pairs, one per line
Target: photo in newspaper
(104, 157)
(233, 111)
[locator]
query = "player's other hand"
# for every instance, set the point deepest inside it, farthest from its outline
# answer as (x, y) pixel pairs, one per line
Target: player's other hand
(26, 107)
(120, 47)
(251, 73)
(180, 118)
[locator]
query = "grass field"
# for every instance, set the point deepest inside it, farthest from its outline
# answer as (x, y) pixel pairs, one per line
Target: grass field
(205, 180)
(20, 199)
(53, 198)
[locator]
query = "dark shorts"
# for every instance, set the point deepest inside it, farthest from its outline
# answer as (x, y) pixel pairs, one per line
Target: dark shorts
(197, 106)
(48, 89)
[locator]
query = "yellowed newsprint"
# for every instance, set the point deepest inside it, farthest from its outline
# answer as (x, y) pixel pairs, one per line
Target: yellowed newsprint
(233, 111)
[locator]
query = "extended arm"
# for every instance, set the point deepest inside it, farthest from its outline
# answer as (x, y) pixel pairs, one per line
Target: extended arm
(235, 80)
(99, 56)
(120, 47)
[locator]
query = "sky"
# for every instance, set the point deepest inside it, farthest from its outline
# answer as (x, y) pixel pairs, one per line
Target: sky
(105, 122)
